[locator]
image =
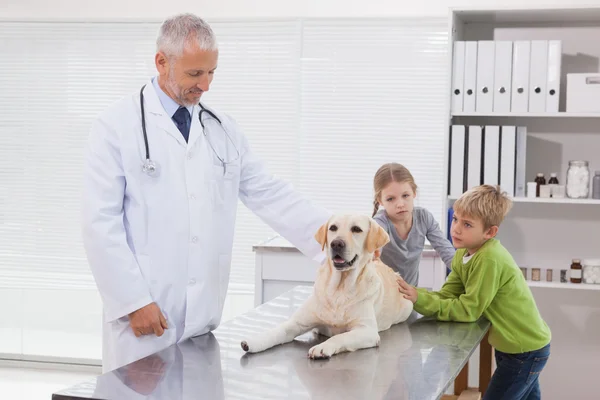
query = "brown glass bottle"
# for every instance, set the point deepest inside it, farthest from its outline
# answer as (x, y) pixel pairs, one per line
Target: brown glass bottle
(540, 180)
(576, 271)
(553, 179)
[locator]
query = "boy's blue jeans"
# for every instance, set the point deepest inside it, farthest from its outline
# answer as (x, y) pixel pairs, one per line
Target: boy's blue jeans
(517, 375)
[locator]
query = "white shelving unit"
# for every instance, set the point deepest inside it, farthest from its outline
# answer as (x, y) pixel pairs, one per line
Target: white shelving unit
(549, 233)
(553, 138)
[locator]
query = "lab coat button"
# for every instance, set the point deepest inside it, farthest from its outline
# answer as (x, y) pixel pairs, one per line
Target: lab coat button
(190, 155)
(192, 282)
(192, 197)
(194, 239)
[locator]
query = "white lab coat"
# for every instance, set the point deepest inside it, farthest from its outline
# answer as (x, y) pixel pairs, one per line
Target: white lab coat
(168, 238)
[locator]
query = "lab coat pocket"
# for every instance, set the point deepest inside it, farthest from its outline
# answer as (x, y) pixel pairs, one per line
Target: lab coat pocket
(225, 184)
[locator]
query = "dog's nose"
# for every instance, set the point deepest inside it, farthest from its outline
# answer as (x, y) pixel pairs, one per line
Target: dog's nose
(338, 245)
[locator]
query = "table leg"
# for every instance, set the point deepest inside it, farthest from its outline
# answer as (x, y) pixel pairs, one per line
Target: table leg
(462, 380)
(485, 364)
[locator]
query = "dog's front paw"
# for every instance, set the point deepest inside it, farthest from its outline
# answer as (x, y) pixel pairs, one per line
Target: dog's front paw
(254, 345)
(250, 346)
(321, 351)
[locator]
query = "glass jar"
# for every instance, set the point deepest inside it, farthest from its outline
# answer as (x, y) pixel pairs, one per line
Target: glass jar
(591, 271)
(578, 180)
(564, 278)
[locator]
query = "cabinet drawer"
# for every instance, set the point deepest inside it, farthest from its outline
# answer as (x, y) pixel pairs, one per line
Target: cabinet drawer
(288, 266)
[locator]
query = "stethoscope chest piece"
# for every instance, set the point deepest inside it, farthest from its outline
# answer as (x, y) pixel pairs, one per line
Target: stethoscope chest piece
(150, 168)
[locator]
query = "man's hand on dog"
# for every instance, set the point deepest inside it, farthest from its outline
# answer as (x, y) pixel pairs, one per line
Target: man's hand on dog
(408, 291)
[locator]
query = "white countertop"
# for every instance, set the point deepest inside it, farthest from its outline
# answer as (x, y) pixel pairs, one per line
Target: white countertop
(278, 243)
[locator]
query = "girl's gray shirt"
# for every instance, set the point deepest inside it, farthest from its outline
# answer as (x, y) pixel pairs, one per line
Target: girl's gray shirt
(404, 256)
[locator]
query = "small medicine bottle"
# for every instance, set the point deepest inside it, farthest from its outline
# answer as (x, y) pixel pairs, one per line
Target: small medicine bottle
(576, 271)
(553, 179)
(540, 180)
(596, 186)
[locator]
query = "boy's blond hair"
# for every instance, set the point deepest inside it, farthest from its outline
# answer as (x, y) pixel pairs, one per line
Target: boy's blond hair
(486, 202)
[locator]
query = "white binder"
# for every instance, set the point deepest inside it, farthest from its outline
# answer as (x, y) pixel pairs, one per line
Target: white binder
(502, 76)
(521, 162)
(470, 78)
(457, 160)
(520, 76)
(507, 159)
(553, 79)
(458, 76)
(485, 76)
(491, 140)
(474, 144)
(538, 76)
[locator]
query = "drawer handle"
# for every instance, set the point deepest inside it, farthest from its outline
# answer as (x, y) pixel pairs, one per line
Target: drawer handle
(594, 80)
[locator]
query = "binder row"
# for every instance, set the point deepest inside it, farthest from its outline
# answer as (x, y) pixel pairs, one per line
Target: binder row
(506, 76)
(490, 154)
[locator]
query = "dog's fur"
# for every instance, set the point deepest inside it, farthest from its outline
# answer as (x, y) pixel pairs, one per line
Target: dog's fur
(355, 296)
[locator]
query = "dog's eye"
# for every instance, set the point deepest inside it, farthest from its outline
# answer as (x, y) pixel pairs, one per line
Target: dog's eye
(356, 229)
(333, 228)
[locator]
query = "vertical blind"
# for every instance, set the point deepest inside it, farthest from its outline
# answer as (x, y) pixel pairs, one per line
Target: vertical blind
(323, 102)
(55, 78)
(257, 82)
(372, 92)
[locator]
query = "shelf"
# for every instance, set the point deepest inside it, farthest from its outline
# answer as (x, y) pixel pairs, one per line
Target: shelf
(547, 200)
(521, 15)
(562, 285)
(527, 115)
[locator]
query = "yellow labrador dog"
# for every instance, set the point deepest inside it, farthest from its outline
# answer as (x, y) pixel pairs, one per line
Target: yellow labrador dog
(355, 296)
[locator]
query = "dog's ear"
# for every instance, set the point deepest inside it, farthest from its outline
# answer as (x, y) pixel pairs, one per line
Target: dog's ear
(321, 235)
(376, 238)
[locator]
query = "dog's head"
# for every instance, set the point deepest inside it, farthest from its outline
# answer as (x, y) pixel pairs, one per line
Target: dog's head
(351, 240)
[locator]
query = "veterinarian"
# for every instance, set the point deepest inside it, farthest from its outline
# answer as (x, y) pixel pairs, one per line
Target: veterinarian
(163, 173)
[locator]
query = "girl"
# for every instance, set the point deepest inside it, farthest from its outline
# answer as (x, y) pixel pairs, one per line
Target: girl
(407, 226)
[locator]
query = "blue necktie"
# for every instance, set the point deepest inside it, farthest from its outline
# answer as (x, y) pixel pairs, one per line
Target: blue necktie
(182, 120)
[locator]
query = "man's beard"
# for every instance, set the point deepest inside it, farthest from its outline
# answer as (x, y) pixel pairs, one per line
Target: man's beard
(177, 91)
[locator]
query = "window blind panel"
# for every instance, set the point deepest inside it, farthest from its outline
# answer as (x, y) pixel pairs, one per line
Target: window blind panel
(291, 108)
(322, 102)
(68, 73)
(372, 92)
(55, 78)
(257, 83)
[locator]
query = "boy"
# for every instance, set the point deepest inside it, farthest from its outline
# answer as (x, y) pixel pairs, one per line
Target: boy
(485, 280)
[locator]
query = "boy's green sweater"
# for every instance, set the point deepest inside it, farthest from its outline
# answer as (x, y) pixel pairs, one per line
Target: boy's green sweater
(489, 284)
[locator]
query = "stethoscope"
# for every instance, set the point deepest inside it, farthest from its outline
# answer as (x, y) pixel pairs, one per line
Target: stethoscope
(151, 168)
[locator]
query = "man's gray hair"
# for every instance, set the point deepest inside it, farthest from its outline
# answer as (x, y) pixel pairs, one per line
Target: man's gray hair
(177, 31)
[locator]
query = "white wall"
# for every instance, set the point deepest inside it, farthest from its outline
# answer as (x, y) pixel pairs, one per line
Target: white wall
(158, 9)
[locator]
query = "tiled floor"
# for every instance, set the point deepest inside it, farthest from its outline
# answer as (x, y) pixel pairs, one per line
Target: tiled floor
(36, 384)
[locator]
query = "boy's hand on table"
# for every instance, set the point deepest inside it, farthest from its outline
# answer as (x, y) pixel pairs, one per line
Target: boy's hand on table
(407, 290)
